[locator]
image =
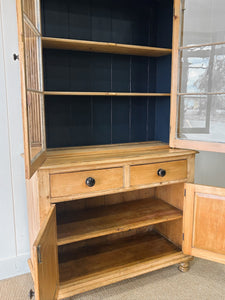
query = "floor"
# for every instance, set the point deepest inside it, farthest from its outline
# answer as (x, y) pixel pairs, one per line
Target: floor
(205, 280)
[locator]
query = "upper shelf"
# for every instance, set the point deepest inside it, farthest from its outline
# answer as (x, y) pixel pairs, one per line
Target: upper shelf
(90, 46)
(66, 93)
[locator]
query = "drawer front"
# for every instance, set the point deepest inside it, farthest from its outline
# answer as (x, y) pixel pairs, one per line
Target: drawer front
(67, 184)
(150, 173)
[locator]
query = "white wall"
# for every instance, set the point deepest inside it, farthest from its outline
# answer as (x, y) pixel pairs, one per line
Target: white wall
(14, 243)
(210, 169)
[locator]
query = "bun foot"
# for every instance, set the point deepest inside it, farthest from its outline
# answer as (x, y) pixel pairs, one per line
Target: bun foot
(184, 266)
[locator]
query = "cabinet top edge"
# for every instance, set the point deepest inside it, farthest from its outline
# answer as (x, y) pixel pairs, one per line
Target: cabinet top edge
(116, 153)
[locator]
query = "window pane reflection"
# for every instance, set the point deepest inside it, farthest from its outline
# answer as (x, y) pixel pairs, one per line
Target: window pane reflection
(202, 118)
(204, 22)
(203, 69)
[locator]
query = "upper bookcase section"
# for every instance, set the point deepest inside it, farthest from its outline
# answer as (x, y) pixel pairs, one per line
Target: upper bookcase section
(131, 22)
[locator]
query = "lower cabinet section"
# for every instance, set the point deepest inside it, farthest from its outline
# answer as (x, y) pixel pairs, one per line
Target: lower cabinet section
(105, 239)
(91, 239)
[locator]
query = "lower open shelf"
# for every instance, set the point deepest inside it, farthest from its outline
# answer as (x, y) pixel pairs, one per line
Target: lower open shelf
(100, 221)
(85, 266)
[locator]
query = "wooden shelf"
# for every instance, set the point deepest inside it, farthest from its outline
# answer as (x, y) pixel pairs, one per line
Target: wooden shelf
(58, 93)
(101, 221)
(90, 46)
(91, 266)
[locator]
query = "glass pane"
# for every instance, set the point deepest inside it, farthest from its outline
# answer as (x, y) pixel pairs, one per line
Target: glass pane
(35, 123)
(202, 118)
(204, 22)
(203, 69)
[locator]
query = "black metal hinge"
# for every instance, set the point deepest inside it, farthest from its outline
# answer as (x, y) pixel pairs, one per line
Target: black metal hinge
(183, 236)
(31, 294)
(16, 57)
(39, 254)
(184, 192)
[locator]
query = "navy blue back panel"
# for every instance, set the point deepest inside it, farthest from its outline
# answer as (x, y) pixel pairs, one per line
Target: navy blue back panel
(81, 120)
(121, 120)
(162, 119)
(101, 120)
(124, 21)
(101, 72)
(164, 20)
(85, 120)
(163, 72)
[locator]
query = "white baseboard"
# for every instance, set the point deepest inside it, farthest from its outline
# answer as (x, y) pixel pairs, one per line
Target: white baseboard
(14, 266)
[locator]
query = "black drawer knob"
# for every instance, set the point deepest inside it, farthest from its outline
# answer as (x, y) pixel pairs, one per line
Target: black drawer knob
(90, 181)
(161, 172)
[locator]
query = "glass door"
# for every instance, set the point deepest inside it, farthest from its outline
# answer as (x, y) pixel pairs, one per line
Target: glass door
(30, 55)
(198, 71)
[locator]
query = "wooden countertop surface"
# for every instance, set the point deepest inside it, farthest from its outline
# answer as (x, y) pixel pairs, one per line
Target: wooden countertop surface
(116, 153)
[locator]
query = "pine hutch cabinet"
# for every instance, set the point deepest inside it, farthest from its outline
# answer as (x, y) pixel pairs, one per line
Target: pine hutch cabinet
(110, 139)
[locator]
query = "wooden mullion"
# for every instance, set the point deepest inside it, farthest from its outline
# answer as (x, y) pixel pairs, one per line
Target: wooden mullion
(201, 94)
(174, 74)
(199, 145)
(31, 25)
(201, 45)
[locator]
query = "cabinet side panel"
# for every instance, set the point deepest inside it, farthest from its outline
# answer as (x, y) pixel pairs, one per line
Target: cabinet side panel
(33, 209)
(191, 168)
(44, 194)
(174, 195)
(172, 231)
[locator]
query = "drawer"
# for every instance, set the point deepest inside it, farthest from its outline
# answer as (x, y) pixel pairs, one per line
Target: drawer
(149, 173)
(68, 184)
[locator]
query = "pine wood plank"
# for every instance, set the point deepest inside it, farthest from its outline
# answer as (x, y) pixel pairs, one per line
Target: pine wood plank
(121, 217)
(66, 93)
(198, 145)
(88, 150)
(90, 267)
(91, 46)
(175, 70)
(111, 154)
(105, 256)
(29, 8)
